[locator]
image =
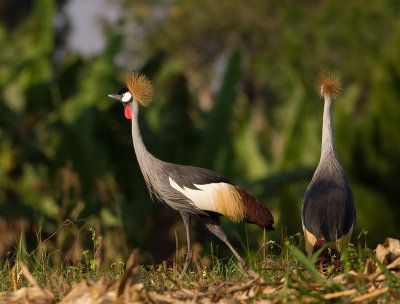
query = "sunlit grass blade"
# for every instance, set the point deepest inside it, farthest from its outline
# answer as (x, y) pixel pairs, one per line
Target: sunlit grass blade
(307, 263)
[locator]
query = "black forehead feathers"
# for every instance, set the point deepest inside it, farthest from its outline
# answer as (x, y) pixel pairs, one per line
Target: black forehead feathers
(122, 91)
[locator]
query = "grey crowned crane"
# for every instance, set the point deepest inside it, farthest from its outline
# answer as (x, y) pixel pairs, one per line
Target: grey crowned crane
(328, 212)
(189, 190)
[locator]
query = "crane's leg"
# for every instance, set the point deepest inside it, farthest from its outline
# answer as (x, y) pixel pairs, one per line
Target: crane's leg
(213, 225)
(189, 256)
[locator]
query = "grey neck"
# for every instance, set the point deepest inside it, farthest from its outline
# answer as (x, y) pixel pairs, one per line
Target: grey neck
(328, 149)
(149, 165)
(143, 156)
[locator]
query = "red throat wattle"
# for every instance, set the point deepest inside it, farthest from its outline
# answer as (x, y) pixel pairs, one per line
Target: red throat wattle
(128, 113)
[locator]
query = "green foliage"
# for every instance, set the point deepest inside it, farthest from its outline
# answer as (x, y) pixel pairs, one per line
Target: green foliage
(308, 263)
(213, 151)
(234, 92)
(276, 122)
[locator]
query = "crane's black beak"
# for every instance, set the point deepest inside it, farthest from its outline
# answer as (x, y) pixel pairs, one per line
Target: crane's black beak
(115, 96)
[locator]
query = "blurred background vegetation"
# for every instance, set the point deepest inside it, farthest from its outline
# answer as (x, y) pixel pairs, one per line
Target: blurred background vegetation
(234, 92)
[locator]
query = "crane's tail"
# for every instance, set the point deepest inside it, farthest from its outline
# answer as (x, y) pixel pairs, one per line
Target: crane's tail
(256, 211)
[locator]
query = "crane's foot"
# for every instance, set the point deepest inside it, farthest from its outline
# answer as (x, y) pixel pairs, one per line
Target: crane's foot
(243, 264)
(187, 262)
(185, 268)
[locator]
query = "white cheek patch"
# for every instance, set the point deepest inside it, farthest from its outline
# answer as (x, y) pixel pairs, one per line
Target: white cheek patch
(127, 96)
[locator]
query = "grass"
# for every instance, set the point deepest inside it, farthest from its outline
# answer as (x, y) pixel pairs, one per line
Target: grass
(279, 272)
(290, 275)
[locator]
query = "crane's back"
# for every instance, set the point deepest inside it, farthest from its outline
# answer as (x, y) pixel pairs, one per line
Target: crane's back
(328, 207)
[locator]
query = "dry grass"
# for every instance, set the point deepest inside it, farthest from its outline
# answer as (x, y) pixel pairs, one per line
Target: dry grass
(360, 276)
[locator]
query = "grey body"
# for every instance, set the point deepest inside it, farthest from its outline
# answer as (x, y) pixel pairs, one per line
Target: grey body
(191, 190)
(156, 174)
(328, 208)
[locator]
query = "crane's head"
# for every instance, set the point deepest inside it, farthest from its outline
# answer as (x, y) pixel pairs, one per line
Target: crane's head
(328, 85)
(139, 89)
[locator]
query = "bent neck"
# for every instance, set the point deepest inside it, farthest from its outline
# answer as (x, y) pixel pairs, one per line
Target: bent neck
(140, 149)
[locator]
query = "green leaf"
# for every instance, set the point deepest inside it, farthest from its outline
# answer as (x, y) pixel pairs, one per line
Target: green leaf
(307, 263)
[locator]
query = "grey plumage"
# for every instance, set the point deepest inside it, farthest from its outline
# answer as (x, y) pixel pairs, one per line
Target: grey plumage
(328, 211)
(191, 190)
(157, 172)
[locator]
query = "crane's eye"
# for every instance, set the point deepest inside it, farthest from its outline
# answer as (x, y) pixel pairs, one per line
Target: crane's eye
(126, 96)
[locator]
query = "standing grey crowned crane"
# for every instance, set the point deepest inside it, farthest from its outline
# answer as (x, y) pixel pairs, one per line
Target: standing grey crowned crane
(328, 212)
(189, 190)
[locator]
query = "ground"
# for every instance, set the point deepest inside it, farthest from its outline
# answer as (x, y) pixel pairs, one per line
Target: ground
(361, 275)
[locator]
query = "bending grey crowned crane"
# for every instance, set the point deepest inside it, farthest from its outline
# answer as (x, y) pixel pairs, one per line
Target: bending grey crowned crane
(189, 190)
(328, 212)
